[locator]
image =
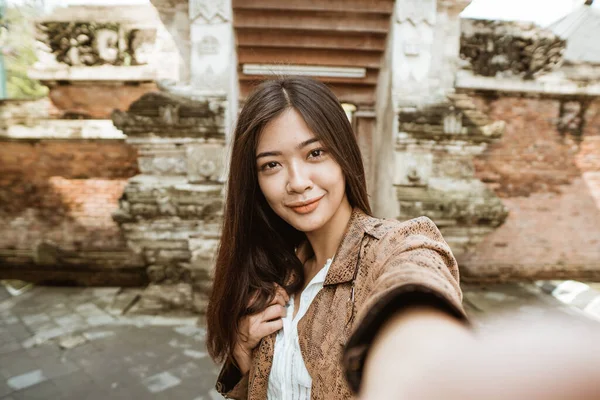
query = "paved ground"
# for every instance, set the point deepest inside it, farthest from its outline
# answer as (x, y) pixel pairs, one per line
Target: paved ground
(75, 343)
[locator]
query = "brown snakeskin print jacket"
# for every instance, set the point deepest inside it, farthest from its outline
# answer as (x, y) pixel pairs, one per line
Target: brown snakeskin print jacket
(380, 266)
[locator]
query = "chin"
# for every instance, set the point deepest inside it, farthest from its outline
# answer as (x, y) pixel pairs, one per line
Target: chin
(307, 222)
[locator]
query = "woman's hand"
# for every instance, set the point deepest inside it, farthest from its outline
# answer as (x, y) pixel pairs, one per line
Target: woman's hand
(252, 328)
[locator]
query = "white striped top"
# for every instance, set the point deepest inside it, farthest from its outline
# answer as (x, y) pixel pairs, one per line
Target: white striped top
(289, 379)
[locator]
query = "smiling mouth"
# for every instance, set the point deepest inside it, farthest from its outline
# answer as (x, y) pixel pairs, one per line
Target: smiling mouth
(306, 207)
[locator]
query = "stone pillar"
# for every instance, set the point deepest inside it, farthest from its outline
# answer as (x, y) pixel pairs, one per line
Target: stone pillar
(437, 133)
(171, 213)
(203, 32)
(426, 35)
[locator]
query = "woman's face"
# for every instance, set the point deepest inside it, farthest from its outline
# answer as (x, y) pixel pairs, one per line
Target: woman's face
(300, 180)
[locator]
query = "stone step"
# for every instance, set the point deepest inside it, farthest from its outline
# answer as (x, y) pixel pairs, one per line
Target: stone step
(362, 6)
(65, 275)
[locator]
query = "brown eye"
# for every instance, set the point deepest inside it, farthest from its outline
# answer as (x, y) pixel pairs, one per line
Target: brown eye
(316, 153)
(269, 165)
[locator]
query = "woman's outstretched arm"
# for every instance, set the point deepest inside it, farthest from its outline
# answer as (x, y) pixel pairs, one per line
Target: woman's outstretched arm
(423, 353)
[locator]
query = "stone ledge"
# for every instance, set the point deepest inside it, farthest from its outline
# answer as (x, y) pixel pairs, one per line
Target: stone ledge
(555, 84)
(64, 129)
(104, 73)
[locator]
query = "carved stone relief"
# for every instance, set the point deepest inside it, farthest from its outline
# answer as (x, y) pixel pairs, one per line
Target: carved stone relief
(142, 42)
(416, 11)
(413, 168)
(91, 44)
(162, 165)
(205, 162)
(211, 56)
(208, 45)
(209, 11)
(513, 48)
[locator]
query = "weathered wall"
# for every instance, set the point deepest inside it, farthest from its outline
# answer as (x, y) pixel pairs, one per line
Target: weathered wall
(96, 100)
(62, 193)
(546, 169)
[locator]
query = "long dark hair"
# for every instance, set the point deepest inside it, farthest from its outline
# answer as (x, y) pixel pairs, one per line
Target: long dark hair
(258, 247)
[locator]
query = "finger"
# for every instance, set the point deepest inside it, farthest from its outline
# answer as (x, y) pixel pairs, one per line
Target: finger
(267, 328)
(278, 299)
(282, 291)
(273, 312)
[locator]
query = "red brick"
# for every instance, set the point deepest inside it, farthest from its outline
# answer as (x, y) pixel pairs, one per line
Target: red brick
(550, 183)
(64, 191)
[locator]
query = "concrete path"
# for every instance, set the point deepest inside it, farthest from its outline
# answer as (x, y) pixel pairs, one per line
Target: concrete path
(76, 343)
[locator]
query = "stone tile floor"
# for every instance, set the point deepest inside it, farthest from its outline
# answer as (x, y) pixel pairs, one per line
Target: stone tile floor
(77, 343)
(74, 343)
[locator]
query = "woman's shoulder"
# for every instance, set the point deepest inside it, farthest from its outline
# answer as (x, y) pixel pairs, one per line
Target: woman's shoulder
(384, 228)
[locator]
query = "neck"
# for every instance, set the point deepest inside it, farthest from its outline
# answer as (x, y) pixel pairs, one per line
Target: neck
(326, 240)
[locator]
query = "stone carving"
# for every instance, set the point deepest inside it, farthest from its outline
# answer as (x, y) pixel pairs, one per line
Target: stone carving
(172, 116)
(414, 37)
(205, 162)
(91, 44)
(209, 11)
(416, 11)
(158, 165)
(107, 44)
(208, 45)
(141, 43)
(211, 56)
(572, 116)
(513, 48)
(413, 168)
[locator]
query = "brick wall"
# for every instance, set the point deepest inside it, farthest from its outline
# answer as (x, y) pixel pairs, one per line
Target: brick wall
(64, 191)
(546, 169)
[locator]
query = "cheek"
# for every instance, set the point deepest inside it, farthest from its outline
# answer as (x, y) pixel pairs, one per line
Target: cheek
(334, 179)
(269, 189)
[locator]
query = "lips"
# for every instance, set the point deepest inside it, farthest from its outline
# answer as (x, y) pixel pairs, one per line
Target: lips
(306, 207)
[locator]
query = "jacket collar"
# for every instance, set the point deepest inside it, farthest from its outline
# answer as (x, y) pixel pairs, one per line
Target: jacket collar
(344, 263)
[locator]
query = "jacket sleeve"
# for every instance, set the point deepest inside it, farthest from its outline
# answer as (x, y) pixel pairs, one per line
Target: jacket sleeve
(414, 266)
(231, 383)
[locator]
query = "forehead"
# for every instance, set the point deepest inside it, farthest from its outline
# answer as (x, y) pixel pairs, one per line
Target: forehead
(286, 131)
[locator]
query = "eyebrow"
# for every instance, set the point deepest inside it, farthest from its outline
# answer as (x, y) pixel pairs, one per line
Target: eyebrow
(278, 153)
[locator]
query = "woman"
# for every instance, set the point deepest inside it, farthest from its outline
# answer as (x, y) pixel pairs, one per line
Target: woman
(303, 269)
(314, 298)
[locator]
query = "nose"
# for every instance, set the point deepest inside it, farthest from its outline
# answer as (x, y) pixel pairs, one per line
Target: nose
(298, 179)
